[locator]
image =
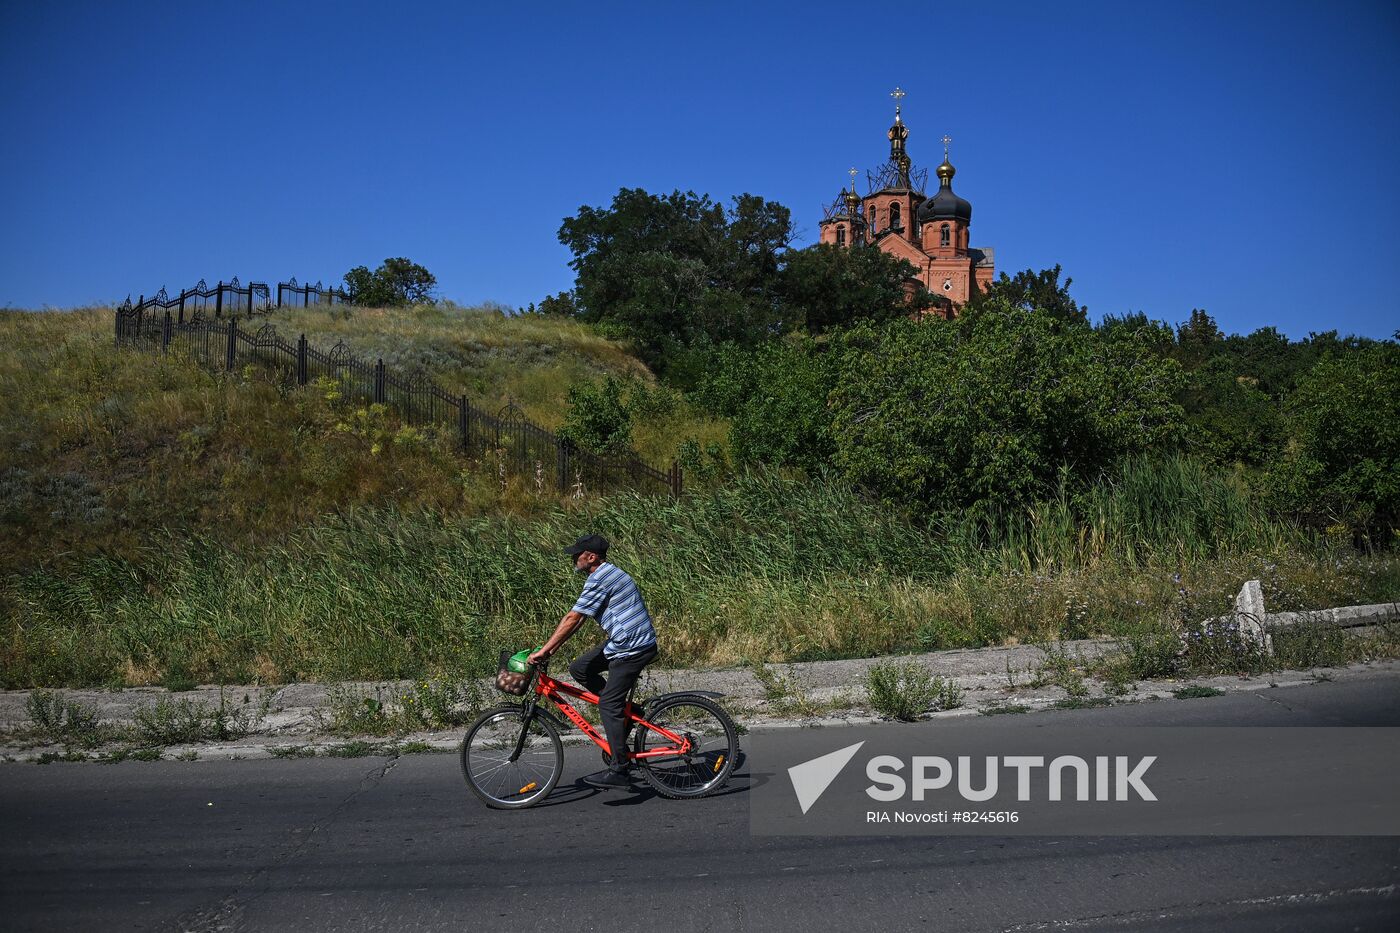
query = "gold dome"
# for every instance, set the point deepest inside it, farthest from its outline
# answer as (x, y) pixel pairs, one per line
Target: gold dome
(946, 170)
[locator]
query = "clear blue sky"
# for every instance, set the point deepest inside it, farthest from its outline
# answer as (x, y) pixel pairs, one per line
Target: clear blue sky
(1239, 157)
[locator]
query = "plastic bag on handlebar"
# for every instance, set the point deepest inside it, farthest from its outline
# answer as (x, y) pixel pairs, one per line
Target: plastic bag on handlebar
(508, 681)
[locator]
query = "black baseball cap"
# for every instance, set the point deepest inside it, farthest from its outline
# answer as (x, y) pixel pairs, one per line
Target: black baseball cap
(595, 543)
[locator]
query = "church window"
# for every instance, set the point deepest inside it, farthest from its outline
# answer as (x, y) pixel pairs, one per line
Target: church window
(840, 234)
(872, 217)
(894, 214)
(943, 236)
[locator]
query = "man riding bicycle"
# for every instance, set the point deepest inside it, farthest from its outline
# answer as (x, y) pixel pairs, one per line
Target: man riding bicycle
(611, 597)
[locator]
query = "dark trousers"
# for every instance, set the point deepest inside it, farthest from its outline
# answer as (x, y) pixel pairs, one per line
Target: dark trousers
(612, 692)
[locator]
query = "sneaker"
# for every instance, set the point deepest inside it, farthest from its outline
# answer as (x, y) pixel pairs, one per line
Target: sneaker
(608, 779)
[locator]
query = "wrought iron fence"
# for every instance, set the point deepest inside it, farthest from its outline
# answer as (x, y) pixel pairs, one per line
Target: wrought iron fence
(197, 303)
(228, 299)
(292, 295)
(518, 444)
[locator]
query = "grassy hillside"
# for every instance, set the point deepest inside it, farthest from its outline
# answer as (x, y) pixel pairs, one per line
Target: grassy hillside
(159, 522)
(494, 358)
(102, 448)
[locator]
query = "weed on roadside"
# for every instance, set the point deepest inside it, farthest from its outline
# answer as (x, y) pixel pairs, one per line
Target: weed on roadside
(66, 721)
(356, 749)
(1222, 646)
(906, 690)
(291, 751)
(997, 709)
(130, 753)
(1152, 652)
(66, 755)
(1193, 691)
(1081, 702)
(1314, 643)
(1060, 669)
(425, 706)
(786, 694)
(183, 721)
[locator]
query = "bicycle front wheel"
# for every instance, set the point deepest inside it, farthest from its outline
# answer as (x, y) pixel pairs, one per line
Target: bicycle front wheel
(714, 746)
(491, 773)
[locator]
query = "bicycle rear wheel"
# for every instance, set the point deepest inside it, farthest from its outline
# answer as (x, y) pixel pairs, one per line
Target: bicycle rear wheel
(485, 754)
(710, 761)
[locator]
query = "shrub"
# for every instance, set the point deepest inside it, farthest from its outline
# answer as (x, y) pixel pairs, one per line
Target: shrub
(426, 705)
(174, 722)
(597, 419)
(1221, 647)
(906, 690)
(61, 720)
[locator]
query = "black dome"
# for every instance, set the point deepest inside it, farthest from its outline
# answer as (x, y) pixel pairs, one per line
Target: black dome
(945, 205)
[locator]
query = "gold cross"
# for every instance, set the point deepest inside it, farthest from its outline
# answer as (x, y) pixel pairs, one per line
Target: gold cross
(897, 94)
(946, 140)
(852, 173)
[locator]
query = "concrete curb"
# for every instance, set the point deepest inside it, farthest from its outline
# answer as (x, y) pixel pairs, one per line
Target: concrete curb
(980, 698)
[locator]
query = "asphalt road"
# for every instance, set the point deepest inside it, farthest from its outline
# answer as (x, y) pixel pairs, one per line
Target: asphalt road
(399, 844)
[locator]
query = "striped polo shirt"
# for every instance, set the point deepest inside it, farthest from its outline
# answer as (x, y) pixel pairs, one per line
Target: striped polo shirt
(610, 596)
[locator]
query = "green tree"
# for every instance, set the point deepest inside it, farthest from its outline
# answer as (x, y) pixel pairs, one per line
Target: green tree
(984, 412)
(783, 418)
(1342, 461)
(826, 286)
(397, 282)
(1198, 339)
(669, 271)
(560, 305)
(1034, 291)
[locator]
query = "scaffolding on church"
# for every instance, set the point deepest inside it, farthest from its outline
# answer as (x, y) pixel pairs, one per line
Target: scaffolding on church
(837, 210)
(887, 176)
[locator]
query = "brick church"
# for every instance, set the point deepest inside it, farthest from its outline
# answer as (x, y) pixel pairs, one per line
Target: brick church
(930, 232)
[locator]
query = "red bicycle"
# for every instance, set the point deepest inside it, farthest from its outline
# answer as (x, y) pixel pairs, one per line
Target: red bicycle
(683, 744)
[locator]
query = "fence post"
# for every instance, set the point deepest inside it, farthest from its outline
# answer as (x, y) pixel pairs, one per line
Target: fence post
(464, 423)
(250, 301)
(279, 294)
(165, 333)
(182, 307)
(232, 341)
(301, 357)
(219, 300)
(676, 478)
(563, 464)
(379, 381)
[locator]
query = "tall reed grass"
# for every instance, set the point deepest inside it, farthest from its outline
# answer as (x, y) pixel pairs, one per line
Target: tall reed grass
(1151, 509)
(766, 569)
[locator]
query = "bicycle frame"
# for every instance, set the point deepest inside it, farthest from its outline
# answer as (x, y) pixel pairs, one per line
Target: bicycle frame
(544, 686)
